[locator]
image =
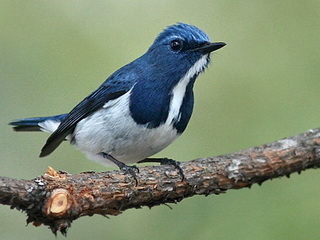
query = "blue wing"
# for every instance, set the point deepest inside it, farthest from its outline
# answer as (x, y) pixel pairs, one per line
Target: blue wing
(114, 87)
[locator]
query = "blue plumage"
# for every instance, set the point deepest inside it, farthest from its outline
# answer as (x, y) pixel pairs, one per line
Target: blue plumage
(32, 124)
(141, 108)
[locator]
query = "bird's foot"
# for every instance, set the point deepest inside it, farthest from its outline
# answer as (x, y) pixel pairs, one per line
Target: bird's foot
(166, 161)
(128, 170)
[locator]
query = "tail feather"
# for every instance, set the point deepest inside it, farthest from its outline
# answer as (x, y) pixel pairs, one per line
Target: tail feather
(46, 124)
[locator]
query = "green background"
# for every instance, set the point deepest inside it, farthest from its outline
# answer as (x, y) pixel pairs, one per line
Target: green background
(263, 86)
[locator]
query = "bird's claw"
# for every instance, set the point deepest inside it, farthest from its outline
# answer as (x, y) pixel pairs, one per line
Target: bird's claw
(131, 170)
(176, 164)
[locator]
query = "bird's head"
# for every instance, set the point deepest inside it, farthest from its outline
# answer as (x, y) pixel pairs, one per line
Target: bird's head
(181, 47)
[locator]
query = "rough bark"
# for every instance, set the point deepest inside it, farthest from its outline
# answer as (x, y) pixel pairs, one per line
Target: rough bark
(56, 199)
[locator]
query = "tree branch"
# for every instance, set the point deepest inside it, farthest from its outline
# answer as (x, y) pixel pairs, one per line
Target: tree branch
(56, 199)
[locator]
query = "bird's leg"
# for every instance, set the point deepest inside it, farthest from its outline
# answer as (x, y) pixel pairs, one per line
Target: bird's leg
(166, 161)
(122, 166)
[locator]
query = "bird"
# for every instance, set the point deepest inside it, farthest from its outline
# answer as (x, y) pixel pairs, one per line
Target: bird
(138, 110)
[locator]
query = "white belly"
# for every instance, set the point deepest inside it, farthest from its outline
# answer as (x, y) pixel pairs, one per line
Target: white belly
(112, 130)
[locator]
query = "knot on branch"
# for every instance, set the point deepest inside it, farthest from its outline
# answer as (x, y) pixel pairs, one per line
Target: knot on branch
(59, 203)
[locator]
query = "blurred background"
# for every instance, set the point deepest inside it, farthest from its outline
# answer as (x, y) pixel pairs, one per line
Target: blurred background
(263, 86)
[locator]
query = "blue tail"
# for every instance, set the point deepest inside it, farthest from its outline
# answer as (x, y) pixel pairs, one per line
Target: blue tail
(32, 124)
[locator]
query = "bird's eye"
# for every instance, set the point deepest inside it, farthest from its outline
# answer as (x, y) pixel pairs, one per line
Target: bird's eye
(176, 45)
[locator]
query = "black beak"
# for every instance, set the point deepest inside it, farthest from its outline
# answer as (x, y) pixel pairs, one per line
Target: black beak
(209, 47)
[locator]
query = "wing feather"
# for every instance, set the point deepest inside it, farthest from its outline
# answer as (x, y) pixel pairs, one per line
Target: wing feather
(90, 104)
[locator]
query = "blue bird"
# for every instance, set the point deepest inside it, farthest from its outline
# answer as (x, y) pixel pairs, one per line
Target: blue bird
(140, 109)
